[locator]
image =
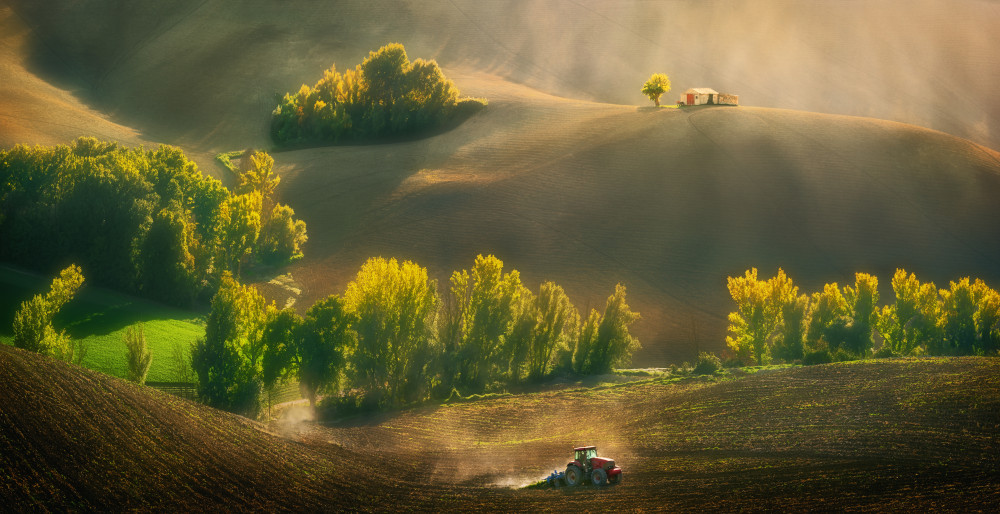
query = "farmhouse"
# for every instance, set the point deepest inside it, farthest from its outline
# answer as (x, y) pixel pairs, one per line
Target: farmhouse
(707, 96)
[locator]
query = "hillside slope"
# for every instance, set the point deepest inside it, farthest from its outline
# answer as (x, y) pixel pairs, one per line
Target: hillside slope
(32, 109)
(190, 71)
(77, 439)
(892, 435)
(668, 202)
(584, 193)
(884, 435)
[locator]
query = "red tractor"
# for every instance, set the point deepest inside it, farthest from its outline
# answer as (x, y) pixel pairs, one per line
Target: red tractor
(588, 466)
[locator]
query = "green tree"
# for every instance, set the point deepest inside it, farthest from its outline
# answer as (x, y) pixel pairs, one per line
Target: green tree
(282, 336)
(314, 350)
(327, 341)
(140, 221)
(794, 314)
(33, 330)
(829, 317)
(585, 342)
(137, 354)
(386, 94)
(969, 318)
(862, 303)
(757, 318)
(519, 337)
(240, 229)
(656, 86)
(384, 72)
(911, 321)
(987, 320)
(259, 177)
(394, 306)
(282, 237)
(612, 345)
(958, 310)
(488, 302)
(168, 266)
(182, 362)
(557, 321)
(229, 359)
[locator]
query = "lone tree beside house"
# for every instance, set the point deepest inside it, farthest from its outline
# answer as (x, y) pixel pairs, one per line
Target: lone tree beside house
(656, 86)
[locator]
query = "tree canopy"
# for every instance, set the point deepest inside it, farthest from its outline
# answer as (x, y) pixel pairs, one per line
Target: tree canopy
(392, 340)
(140, 221)
(846, 323)
(384, 95)
(394, 305)
(656, 86)
(33, 330)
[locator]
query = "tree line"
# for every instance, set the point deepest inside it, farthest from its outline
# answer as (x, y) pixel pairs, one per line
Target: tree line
(141, 221)
(384, 95)
(773, 321)
(34, 330)
(393, 339)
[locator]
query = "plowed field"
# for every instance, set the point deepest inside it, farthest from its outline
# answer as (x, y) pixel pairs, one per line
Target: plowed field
(887, 435)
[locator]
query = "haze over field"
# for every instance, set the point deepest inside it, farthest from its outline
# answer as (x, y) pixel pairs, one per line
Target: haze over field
(924, 62)
(865, 140)
(562, 176)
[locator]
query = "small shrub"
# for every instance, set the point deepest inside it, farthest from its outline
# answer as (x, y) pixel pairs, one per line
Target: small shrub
(817, 357)
(77, 351)
(33, 330)
(732, 362)
(708, 364)
(885, 352)
(182, 362)
(842, 355)
(137, 354)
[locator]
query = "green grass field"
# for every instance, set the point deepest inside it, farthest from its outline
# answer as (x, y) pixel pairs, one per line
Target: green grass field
(100, 317)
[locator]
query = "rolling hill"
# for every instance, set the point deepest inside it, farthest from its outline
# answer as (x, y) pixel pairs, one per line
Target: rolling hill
(888, 435)
(668, 202)
(552, 178)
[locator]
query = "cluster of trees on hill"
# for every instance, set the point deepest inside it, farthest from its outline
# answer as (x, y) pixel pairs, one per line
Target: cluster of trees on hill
(393, 339)
(141, 221)
(773, 321)
(385, 95)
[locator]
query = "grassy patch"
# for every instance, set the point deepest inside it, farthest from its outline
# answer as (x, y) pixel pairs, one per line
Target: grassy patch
(226, 159)
(99, 317)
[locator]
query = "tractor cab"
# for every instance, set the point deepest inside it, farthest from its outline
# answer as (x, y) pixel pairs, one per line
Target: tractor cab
(584, 454)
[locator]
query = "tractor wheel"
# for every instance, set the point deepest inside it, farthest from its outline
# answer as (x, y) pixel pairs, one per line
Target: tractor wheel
(617, 479)
(599, 477)
(574, 475)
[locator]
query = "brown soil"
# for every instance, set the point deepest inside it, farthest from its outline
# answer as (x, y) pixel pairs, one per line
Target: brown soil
(884, 435)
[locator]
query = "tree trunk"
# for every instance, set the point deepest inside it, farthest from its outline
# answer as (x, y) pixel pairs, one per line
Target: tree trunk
(657, 101)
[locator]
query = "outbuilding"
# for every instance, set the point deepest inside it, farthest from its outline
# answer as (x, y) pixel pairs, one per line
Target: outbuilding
(707, 96)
